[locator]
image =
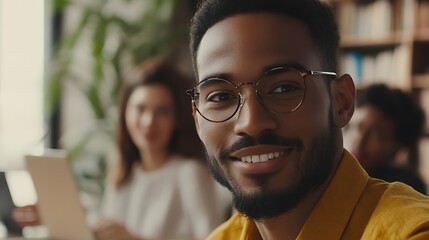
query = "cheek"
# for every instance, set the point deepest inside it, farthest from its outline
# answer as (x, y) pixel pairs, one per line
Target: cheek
(133, 129)
(372, 148)
(130, 121)
(213, 135)
(310, 120)
(380, 147)
(166, 125)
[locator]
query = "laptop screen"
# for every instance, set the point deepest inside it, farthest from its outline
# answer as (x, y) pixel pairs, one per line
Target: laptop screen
(58, 197)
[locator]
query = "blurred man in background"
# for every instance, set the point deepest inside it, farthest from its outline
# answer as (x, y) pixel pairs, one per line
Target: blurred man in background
(386, 122)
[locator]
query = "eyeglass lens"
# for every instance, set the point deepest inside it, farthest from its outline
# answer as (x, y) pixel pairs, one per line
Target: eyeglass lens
(280, 91)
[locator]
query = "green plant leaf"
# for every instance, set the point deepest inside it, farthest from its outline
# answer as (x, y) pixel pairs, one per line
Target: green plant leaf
(59, 5)
(152, 34)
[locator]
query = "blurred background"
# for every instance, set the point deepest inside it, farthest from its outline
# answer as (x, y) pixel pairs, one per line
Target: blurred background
(62, 63)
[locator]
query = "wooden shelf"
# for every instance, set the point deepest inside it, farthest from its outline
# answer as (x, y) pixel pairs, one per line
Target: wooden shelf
(422, 35)
(351, 42)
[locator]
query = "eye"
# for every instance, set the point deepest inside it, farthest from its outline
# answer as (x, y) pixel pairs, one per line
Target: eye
(140, 108)
(164, 112)
(377, 133)
(218, 97)
(285, 88)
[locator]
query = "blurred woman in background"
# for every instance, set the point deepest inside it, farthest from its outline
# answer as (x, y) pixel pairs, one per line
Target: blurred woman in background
(159, 188)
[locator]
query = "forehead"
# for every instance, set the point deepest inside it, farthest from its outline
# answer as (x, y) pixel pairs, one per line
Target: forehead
(151, 94)
(369, 117)
(370, 114)
(253, 42)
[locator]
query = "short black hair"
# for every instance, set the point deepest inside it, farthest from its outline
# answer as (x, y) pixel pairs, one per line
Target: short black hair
(397, 105)
(316, 15)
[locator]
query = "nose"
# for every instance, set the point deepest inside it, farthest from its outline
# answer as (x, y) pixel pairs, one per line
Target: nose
(147, 119)
(253, 118)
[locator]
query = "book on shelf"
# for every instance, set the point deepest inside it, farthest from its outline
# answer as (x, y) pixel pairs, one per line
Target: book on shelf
(407, 15)
(377, 19)
(422, 16)
(387, 66)
(346, 15)
(351, 63)
(373, 20)
(368, 64)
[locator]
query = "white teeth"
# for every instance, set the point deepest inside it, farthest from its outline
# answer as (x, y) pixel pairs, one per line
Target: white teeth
(256, 158)
(264, 157)
(261, 158)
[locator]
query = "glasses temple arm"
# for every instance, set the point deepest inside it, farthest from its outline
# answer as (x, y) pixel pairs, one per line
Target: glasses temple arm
(323, 73)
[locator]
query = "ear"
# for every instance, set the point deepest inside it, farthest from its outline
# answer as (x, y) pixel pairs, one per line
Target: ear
(194, 114)
(343, 100)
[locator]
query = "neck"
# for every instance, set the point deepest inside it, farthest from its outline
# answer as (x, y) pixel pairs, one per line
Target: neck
(153, 159)
(289, 224)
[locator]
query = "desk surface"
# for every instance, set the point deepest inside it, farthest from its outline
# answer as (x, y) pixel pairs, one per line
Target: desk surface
(29, 233)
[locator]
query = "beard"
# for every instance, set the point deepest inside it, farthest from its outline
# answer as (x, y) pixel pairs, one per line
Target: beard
(313, 170)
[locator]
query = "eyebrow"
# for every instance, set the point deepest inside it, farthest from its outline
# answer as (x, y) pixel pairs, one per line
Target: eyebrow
(294, 65)
(228, 76)
(209, 81)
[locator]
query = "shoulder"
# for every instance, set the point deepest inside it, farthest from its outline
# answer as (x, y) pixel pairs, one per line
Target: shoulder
(192, 175)
(122, 191)
(189, 167)
(399, 195)
(402, 174)
(401, 211)
(234, 228)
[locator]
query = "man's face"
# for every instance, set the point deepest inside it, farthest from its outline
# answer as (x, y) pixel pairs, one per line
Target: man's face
(371, 138)
(301, 143)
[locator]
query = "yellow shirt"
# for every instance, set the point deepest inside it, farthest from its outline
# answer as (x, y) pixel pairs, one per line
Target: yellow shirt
(353, 206)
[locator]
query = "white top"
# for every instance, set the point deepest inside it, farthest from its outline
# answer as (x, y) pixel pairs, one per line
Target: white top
(178, 201)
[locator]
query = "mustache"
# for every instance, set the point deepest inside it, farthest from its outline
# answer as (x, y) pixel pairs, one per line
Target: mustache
(264, 139)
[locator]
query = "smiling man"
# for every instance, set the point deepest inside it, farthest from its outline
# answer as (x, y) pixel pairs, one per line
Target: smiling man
(269, 108)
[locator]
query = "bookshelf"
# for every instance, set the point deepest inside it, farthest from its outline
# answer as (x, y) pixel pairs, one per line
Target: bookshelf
(384, 41)
(387, 41)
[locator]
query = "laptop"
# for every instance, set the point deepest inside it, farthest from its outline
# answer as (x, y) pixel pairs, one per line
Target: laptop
(58, 203)
(6, 207)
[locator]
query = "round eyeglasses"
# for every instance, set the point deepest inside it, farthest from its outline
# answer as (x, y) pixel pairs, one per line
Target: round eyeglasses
(279, 90)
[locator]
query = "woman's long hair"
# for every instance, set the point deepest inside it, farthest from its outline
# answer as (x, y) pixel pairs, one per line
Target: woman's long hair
(184, 140)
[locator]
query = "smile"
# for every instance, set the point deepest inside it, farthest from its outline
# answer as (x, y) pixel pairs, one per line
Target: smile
(260, 158)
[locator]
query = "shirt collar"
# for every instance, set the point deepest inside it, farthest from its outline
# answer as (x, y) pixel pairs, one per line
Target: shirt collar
(331, 214)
